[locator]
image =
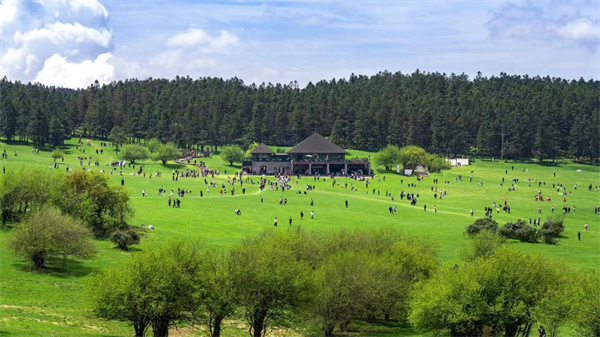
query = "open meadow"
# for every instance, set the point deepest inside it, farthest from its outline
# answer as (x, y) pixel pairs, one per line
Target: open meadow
(54, 303)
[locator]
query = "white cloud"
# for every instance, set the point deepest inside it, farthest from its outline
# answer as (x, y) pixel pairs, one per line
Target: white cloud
(529, 22)
(8, 12)
(195, 37)
(58, 71)
(40, 36)
(65, 34)
(581, 30)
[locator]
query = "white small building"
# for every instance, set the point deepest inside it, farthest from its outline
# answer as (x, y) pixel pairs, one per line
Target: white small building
(458, 162)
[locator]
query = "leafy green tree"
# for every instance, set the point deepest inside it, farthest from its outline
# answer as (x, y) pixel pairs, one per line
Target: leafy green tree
(368, 274)
(48, 233)
(155, 287)
(88, 197)
(482, 224)
(117, 136)
(57, 154)
(585, 302)
(494, 295)
(345, 281)
(270, 283)
(555, 309)
(167, 152)
(251, 148)
(124, 238)
(388, 157)
(217, 297)
(411, 156)
(153, 145)
(232, 154)
(436, 163)
(57, 132)
(484, 243)
(26, 189)
(133, 152)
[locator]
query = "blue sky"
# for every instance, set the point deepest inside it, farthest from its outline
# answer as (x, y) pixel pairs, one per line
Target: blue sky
(72, 43)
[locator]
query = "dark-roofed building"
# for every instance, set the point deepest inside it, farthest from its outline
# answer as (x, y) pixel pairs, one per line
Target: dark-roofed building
(314, 155)
(265, 161)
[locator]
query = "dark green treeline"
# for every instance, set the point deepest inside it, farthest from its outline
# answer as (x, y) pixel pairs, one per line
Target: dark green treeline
(516, 116)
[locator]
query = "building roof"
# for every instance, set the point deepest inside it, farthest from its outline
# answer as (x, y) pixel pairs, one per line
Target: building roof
(316, 144)
(262, 149)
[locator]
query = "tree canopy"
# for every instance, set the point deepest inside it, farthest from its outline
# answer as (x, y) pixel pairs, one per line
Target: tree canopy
(133, 152)
(49, 233)
(232, 154)
(508, 116)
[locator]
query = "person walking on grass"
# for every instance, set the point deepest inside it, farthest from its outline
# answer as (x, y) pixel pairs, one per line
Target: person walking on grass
(346, 203)
(290, 221)
(275, 224)
(312, 215)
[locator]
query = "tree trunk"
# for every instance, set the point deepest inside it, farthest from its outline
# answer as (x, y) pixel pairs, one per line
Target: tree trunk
(160, 328)
(387, 317)
(216, 327)
(140, 328)
(38, 260)
(328, 329)
(258, 323)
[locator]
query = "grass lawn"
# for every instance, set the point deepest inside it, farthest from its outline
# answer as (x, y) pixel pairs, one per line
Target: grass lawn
(53, 302)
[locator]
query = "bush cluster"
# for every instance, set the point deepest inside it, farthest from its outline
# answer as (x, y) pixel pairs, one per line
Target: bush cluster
(519, 230)
(550, 232)
(482, 224)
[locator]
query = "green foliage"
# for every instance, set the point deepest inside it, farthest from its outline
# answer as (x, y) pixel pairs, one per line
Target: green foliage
(133, 152)
(436, 163)
(88, 197)
(555, 309)
(117, 136)
(482, 224)
(24, 189)
(483, 244)
(232, 154)
(57, 153)
(519, 230)
(585, 298)
(491, 296)
(270, 284)
(552, 229)
(153, 145)
(544, 117)
(251, 148)
(48, 233)
(412, 155)
(216, 299)
(368, 274)
(166, 152)
(155, 287)
(388, 157)
(124, 238)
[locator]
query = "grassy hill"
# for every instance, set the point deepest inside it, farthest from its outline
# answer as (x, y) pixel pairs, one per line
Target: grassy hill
(53, 302)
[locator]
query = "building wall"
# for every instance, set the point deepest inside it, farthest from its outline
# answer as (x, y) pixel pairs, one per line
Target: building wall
(272, 167)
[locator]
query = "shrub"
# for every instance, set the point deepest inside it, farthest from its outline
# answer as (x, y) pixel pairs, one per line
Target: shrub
(124, 238)
(519, 230)
(552, 230)
(480, 224)
(48, 233)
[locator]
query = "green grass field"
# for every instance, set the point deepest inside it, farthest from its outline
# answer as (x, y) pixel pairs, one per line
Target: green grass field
(53, 302)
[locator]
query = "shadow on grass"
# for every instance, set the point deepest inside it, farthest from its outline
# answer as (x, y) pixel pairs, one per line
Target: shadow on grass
(378, 328)
(173, 166)
(128, 250)
(57, 267)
